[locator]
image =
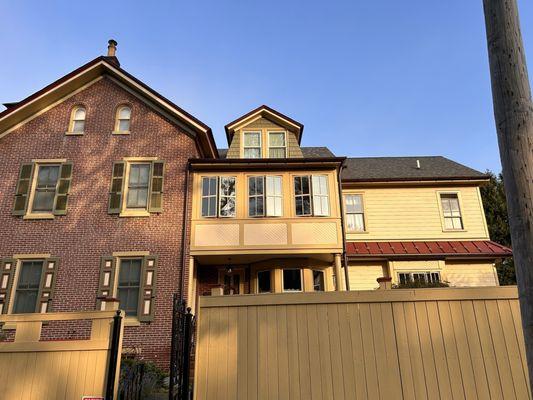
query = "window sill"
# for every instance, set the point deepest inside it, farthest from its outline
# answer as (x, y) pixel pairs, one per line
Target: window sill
(454, 230)
(130, 213)
(38, 216)
(132, 321)
(74, 133)
(120, 133)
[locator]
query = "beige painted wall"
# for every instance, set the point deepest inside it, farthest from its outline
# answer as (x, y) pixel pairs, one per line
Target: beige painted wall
(465, 273)
(363, 275)
(383, 344)
(414, 213)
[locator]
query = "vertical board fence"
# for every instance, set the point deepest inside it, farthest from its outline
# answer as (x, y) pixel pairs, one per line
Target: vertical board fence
(33, 368)
(384, 344)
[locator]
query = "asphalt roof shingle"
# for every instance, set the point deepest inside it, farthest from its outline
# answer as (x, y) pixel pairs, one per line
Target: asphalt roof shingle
(308, 152)
(405, 168)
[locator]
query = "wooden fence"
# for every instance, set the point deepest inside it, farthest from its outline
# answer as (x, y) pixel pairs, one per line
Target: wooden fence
(384, 344)
(32, 368)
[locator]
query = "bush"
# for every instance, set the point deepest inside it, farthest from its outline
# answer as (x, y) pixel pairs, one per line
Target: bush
(138, 375)
(420, 285)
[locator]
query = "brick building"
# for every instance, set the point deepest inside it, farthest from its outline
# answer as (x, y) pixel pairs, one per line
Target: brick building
(92, 202)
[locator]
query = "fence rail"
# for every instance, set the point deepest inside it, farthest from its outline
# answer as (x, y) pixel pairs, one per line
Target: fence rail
(390, 344)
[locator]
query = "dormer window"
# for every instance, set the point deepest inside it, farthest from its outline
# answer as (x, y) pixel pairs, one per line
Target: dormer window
(277, 147)
(123, 119)
(252, 145)
(77, 121)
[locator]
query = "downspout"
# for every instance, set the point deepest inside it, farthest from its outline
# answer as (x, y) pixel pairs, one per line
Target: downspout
(184, 236)
(343, 229)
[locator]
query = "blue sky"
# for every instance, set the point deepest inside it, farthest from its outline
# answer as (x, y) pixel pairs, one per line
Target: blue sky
(366, 78)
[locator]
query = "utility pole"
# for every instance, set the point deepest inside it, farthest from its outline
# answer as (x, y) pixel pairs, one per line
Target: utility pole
(513, 112)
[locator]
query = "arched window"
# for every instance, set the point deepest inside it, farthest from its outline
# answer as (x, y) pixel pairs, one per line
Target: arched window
(77, 120)
(122, 124)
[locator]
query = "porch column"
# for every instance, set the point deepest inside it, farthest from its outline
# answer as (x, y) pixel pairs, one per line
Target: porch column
(338, 272)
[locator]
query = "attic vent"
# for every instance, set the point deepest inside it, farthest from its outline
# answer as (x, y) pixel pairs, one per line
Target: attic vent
(417, 164)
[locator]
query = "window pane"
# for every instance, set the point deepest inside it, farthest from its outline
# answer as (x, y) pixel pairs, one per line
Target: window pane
(227, 207)
(292, 280)
(47, 175)
(263, 281)
(307, 205)
(79, 114)
(318, 281)
(252, 153)
(227, 186)
(252, 139)
(277, 139)
(43, 201)
(78, 126)
(124, 125)
(124, 113)
(354, 203)
(26, 302)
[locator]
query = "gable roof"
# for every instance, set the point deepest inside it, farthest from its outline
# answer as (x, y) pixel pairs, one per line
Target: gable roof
(34, 104)
(308, 152)
(269, 113)
(382, 169)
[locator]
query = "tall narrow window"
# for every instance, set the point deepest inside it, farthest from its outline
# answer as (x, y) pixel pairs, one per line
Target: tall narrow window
(256, 198)
(292, 280)
(274, 199)
(264, 282)
(227, 196)
(451, 211)
(318, 281)
(302, 195)
(252, 145)
(77, 120)
(276, 145)
(122, 124)
(129, 282)
(45, 188)
(355, 218)
(320, 195)
(28, 287)
(209, 196)
(138, 183)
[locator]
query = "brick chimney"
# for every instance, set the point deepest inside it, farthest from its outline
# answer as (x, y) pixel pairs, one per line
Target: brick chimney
(112, 48)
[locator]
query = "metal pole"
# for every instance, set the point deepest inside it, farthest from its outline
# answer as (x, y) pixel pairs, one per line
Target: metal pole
(113, 357)
(173, 348)
(186, 356)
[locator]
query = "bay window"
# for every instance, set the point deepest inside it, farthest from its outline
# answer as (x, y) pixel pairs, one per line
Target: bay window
(265, 196)
(218, 196)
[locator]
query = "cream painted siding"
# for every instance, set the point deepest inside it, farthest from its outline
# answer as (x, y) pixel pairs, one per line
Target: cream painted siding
(464, 273)
(363, 276)
(414, 213)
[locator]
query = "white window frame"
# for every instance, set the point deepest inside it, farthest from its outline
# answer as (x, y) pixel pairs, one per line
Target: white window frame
(362, 213)
(52, 163)
(202, 196)
(127, 186)
(244, 147)
(309, 177)
(320, 199)
(277, 147)
(444, 217)
(262, 195)
(283, 280)
(117, 130)
(73, 120)
(220, 196)
(425, 273)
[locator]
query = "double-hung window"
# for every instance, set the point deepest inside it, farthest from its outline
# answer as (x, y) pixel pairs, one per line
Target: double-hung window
(138, 184)
(453, 219)
(28, 284)
(252, 144)
(265, 196)
(277, 147)
(129, 282)
(77, 120)
(311, 195)
(45, 188)
(218, 196)
(355, 217)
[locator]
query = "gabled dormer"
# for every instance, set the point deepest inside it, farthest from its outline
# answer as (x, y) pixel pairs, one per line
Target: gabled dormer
(264, 133)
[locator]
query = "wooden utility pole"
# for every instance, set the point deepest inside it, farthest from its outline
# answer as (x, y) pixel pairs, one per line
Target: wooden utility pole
(513, 112)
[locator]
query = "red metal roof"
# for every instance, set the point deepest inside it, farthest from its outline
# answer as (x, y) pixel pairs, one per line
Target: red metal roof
(435, 248)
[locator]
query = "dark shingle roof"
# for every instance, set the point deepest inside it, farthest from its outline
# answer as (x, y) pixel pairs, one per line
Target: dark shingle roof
(308, 152)
(405, 168)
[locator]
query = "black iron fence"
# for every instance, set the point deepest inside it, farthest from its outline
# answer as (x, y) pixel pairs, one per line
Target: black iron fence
(131, 382)
(182, 348)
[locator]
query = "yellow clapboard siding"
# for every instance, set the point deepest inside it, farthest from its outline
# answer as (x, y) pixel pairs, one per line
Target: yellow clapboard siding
(414, 213)
(381, 344)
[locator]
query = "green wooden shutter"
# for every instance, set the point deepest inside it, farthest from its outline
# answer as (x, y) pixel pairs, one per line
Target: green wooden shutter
(22, 193)
(63, 189)
(47, 286)
(7, 273)
(107, 281)
(156, 194)
(148, 286)
(117, 188)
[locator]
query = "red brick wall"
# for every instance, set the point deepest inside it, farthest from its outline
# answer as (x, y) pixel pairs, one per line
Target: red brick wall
(88, 232)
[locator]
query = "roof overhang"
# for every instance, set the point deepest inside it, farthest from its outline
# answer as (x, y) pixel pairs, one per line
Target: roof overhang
(270, 164)
(349, 183)
(268, 113)
(79, 79)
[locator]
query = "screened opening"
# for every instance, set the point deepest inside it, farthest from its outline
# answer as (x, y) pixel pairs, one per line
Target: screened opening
(138, 184)
(318, 281)
(45, 188)
(292, 280)
(28, 284)
(264, 282)
(129, 282)
(252, 145)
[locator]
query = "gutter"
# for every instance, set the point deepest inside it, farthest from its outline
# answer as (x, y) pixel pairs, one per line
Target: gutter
(343, 228)
(184, 236)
